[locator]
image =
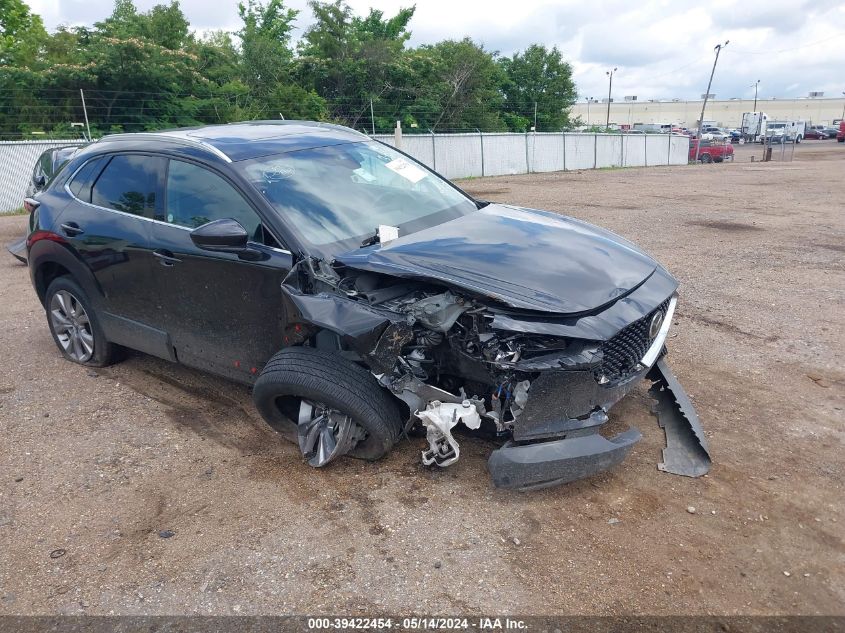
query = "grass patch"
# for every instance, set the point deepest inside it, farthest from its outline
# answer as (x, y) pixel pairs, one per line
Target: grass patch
(18, 211)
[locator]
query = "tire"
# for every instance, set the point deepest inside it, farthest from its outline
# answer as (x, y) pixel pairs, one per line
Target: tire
(717, 160)
(705, 158)
(799, 138)
(103, 352)
(297, 373)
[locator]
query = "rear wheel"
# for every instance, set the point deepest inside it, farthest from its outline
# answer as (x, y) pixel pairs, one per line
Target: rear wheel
(74, 325)
(328, 405)
(706, 158)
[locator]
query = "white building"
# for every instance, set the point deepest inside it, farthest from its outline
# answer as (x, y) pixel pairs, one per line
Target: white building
(724, 113)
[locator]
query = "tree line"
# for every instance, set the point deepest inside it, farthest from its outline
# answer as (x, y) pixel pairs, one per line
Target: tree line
(144, 71)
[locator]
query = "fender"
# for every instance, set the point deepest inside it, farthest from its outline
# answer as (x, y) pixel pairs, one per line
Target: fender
(47, 249)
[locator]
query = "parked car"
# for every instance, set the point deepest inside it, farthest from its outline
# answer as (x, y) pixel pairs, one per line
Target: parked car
(711, 151)
(361, 295)
(815, 134)
(45, 168)
(831, 132)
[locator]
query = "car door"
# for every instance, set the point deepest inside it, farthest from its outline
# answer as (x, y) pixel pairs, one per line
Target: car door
(108, 225)
(223, 312)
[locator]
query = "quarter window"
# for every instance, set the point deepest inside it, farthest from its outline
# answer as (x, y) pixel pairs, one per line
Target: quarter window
(129, 184)
(196, 196)
(80, 186)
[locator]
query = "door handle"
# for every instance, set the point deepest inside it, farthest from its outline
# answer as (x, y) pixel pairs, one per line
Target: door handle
(165, 258)
(72, 229)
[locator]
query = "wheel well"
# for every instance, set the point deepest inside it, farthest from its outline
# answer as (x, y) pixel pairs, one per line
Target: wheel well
(45, 275)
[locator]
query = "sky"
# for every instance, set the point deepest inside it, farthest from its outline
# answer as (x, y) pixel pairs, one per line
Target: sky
(662, 49)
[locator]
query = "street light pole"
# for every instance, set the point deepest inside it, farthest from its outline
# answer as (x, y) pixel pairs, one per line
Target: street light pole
(589, 99)
(843, 107)
(609, 73)
(756, 83)
(718, 48)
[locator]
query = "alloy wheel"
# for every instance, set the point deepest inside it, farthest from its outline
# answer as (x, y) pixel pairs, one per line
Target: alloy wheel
(325, 433)
(72, 326)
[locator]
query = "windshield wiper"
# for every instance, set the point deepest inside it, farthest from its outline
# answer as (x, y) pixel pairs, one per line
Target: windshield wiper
(384, 234)
(373, 239)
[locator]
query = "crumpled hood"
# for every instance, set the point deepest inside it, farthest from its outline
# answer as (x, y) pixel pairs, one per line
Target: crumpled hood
(526, 259)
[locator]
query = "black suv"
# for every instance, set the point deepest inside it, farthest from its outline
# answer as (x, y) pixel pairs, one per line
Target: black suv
(361, 294)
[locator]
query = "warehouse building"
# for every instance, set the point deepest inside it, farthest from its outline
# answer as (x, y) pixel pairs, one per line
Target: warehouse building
(726, 113)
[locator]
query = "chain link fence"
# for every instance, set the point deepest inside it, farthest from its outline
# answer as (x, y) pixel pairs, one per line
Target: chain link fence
(17, 159)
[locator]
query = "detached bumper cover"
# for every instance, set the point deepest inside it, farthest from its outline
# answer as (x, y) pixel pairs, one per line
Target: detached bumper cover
(544, 464)
(686, 451)
(552, 462)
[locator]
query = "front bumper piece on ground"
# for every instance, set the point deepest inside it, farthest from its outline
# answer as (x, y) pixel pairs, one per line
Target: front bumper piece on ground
(549, 463)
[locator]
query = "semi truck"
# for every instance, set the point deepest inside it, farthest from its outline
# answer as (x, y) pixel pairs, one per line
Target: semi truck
(753, 126)
(784, 132)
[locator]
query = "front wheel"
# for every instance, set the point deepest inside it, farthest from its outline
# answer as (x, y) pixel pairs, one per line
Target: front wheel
(328, 405)
(706, 158)
(74, 325)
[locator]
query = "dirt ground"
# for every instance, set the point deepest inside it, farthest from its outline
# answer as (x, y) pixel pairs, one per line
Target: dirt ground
(97, 467)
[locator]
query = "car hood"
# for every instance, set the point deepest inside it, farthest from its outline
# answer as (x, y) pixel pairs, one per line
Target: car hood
(523, 258)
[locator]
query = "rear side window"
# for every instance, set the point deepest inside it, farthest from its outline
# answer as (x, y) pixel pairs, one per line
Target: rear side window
(130, 184)
(80, 185)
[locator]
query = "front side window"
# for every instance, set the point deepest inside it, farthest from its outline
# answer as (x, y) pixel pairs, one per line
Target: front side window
(196, 196)
(334, 197)
(129, 183)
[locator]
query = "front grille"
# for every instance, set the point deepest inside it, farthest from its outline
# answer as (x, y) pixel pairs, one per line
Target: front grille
(622, 353)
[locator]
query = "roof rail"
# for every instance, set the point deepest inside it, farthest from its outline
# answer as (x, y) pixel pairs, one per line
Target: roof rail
(167, 136)
(329, 126)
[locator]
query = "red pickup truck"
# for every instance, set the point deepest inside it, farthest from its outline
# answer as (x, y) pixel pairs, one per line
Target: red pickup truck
(711, 151)
(841, 135)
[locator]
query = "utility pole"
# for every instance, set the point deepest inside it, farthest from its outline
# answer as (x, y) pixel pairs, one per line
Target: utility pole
(589, 99)
(843, 107)
(85, 112)
(755, 84)
(718, 48)
(535, 116)
(609, 73)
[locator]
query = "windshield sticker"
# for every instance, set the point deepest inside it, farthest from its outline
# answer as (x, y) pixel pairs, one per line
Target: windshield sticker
(406, 170)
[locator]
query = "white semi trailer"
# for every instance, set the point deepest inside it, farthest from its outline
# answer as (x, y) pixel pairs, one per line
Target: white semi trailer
(753, 126)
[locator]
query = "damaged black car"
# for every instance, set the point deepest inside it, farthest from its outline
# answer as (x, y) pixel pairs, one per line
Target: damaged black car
(363, 296)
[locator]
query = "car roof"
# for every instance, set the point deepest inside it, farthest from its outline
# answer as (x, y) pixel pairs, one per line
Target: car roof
(252, 139)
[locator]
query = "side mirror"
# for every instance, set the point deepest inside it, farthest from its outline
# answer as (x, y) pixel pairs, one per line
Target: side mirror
(221, 236)
(39, 181)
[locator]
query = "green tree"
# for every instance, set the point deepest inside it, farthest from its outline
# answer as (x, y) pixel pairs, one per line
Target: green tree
(164, 24)
(457, 86)
(265, 44)
(537, 76)
(351, 60)
(22, 34)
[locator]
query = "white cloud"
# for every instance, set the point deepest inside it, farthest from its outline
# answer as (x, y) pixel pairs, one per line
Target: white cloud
(663, 48)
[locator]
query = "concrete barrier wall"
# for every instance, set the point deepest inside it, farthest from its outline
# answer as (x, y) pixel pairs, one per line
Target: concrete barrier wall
(453, 155)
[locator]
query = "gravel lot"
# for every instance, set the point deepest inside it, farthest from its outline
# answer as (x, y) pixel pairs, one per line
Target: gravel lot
(97, 467)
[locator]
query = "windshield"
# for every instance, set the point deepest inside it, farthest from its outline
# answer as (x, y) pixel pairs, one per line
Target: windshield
(335, 197)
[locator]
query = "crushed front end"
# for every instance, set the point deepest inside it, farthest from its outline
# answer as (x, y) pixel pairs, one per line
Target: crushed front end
(539, 384)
